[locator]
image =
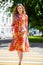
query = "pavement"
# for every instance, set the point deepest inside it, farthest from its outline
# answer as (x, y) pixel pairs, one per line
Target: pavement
(34, 57)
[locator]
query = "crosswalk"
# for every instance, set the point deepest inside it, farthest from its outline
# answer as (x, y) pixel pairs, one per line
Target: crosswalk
(29, 58)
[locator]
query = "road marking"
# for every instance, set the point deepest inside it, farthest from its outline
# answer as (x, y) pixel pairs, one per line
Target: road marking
(25, 57)
(23, 54)
(22, 62)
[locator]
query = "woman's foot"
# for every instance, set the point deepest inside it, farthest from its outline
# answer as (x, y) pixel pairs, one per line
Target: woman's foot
(19, 63)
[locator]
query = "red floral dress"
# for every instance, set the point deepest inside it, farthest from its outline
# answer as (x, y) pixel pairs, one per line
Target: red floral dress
(20, 35)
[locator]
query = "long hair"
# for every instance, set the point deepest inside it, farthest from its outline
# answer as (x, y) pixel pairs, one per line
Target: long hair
(15, 9)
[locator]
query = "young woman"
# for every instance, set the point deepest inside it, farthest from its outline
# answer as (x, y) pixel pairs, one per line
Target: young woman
(20, 31)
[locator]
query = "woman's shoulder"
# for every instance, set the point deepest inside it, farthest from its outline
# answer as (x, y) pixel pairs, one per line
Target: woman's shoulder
(25, 15)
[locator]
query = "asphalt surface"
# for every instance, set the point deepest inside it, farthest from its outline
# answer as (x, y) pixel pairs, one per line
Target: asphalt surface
(34, 57)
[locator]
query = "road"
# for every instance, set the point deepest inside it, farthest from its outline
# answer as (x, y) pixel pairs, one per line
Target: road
(34, 57)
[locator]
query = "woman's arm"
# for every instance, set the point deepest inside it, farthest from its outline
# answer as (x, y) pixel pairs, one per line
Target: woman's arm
(12, 25)
(26, 24)
(12, 21)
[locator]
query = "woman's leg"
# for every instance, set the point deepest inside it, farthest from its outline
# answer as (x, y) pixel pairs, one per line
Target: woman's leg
(20, 54)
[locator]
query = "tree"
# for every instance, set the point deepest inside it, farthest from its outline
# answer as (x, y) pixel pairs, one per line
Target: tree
(34, 10)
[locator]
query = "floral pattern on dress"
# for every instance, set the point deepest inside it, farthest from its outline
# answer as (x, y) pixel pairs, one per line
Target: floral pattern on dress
(20, 35)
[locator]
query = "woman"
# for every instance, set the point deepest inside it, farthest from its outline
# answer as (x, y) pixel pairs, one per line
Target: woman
(20, 31)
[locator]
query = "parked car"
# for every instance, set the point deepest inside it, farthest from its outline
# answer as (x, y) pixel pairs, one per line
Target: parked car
(34, 32)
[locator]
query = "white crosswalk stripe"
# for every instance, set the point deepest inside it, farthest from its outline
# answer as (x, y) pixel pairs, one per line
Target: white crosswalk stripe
(12, 57)
(29, 58)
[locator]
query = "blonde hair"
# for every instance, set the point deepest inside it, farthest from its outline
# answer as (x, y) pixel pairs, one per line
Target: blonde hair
(15, 9)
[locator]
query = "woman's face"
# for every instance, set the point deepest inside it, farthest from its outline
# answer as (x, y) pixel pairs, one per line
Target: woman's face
(19, 9)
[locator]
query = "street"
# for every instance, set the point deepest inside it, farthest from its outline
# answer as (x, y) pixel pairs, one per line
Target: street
(34, 57)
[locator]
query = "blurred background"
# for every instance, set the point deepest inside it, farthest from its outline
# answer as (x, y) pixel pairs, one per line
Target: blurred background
(34, 9)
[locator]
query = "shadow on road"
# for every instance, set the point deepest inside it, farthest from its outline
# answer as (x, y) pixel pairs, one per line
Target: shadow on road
(33, 44)
(7, 41)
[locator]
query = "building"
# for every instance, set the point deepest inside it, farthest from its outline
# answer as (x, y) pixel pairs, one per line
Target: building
(5, 20)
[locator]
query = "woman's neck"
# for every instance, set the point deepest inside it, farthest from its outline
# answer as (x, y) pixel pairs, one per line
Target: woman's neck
(20, 13)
